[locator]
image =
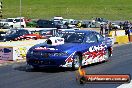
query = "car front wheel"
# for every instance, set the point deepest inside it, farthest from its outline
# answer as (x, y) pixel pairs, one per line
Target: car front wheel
(107, 54)
(76, 62)
(35, 67)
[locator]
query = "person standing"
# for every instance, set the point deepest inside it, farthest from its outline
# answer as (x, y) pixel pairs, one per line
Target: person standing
(129, 27)
(79, 24)
(106, 27)
(101, 29)
(110, 27)
(127, 30)
(120, 24)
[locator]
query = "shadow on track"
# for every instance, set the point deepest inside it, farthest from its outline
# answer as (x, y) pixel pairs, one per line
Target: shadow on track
(27, 68)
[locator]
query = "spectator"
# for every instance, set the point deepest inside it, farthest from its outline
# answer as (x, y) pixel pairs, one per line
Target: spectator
(125, 25)
(110, 27)
(106, 27)
(79, 24)
(101, 29)
(127, 30)
(128, 33)
(66, 24)
(120, 24)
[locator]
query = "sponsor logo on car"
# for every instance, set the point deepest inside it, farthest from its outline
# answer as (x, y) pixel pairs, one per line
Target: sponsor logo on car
(45, 48)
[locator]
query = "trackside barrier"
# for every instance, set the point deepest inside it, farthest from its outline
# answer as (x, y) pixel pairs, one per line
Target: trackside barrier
(13, 53)
(117, 33)
(121, 39)
(131, 38)
(119, 36)
(131, 35)
(17, 50)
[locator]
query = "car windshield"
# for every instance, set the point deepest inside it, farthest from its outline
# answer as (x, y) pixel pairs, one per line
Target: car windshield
(10, 32)
(58, 22)
(43, 22)
(73, 37)
(9, 20)
(18, 20)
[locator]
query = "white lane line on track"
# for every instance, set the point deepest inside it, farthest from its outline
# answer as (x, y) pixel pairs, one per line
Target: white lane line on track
(127, 85)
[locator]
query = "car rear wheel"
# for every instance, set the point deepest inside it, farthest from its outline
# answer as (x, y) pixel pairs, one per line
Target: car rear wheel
(76, 62)
(11, 26)
(22, 26)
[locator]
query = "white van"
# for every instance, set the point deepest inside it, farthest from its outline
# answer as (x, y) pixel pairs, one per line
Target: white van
(16, 22)
(58, 18)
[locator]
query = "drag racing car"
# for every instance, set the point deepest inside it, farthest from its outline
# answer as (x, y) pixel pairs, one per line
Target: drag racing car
(73, 49)
(14, 34)
(18, 34)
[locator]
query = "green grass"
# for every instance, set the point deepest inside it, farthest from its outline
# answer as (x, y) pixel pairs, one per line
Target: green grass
(76, 9)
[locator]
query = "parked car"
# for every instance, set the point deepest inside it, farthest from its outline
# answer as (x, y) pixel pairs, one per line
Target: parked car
(10, 22)
(16, 22)
(45, 24)
(115, 26)
(57, 18)
(79, 48)
(46, 33)
(31, 36)
(4, 25)
(58, 24)
(101, 20)
(22, 34)
(31, 24)
(15, 34)
(2, 33)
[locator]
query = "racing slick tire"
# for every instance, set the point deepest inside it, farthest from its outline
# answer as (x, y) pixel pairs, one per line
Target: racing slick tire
(35, 67)
(77, 62)
(107, 55)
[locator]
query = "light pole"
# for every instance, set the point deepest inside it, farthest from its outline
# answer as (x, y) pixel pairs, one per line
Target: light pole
(20, 12)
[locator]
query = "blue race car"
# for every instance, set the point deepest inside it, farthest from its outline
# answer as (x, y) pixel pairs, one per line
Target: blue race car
(74, 49)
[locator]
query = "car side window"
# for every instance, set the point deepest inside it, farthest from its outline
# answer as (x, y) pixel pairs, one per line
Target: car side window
(26, 32)
(100, 37)
(91, 38)
(20, 32)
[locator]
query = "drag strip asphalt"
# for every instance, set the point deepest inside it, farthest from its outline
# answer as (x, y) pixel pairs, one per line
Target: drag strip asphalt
(19, 75)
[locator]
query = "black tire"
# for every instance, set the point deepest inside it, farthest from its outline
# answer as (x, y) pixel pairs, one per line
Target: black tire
(22, 26)
(35, 38)
(35, 68)
(31, 26)
(77, 62)
(107, 55)
(11, 26)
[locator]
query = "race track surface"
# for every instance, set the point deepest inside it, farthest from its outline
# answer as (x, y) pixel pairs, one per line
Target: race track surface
(21, 76)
